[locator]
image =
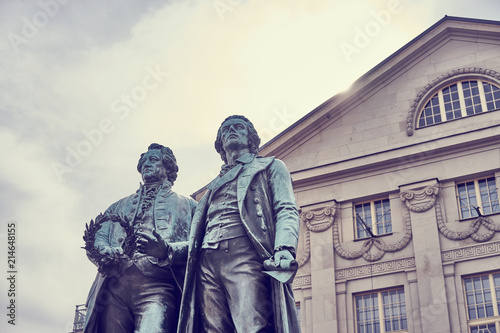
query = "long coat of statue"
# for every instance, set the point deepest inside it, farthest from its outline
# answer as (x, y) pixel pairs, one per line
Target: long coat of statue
(173, 213)
(270, 217)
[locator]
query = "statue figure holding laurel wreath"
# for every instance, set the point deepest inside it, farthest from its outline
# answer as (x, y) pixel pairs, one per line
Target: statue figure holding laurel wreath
(140, 248)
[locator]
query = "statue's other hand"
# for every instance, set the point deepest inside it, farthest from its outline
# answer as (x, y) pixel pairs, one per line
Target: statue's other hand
(114, 252)
(152, 245)
(282, 255)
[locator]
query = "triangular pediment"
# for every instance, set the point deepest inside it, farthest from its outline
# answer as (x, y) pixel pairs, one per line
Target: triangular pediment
(371, 118)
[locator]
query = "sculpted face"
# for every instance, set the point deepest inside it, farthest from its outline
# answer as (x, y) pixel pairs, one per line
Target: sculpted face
(152, 169)
(234, 134)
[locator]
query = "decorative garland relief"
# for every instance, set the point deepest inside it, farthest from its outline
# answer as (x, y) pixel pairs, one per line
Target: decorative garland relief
(417, 201)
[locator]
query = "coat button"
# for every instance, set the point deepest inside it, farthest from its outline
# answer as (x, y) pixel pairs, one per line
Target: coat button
(256, 200)
(120, 240)
(253, 187)
(134, 202)
(132, 209)
(264, 228)
(259, 214)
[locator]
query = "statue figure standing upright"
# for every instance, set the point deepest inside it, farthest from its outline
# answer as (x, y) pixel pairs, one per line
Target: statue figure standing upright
(242, 244)
(140, 247)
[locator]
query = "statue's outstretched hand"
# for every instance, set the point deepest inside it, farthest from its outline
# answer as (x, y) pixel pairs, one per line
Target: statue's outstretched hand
(152, 245)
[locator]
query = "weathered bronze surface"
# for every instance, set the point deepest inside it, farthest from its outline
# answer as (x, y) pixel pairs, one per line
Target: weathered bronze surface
(247, 217)
(140, 248)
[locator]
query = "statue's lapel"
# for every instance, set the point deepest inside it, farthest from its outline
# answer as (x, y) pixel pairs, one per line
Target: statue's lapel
(227, 177)
(249, 171)
(131, 214)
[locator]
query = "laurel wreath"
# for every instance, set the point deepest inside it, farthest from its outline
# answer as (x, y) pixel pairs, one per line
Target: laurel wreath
(108, 265)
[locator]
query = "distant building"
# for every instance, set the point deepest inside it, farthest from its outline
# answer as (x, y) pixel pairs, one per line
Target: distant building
(79, 320)
(397, 181)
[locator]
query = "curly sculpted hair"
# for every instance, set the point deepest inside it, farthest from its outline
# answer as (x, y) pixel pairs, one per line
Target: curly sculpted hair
(168, 160)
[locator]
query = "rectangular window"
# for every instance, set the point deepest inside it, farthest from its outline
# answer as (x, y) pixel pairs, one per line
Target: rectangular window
(297, 307)
(491, 328)
(381, 312)
(374, 216)
(479, 194)
(482, 295)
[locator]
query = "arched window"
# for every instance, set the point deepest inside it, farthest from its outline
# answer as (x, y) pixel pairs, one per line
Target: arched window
(459, 99)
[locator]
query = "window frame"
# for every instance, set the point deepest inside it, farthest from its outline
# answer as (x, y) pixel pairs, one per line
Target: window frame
(477, 191)
(380, 305)
(495, 319)
(373, 225)
(298, 309)
(463, 107)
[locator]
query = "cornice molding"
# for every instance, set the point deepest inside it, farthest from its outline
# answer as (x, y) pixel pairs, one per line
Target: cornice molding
(383, 161)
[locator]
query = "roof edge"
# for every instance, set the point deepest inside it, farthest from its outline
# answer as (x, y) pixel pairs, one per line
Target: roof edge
(376, 67)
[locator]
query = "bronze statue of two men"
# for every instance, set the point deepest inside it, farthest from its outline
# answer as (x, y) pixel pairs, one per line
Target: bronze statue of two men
(225, 264)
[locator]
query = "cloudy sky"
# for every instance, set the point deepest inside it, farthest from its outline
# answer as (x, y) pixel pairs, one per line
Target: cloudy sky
(86, 86)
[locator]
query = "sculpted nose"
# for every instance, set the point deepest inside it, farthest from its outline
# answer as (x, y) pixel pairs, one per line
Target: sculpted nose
(230, 130)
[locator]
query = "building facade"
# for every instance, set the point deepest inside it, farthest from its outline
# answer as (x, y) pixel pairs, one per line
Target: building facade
(396, 180)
